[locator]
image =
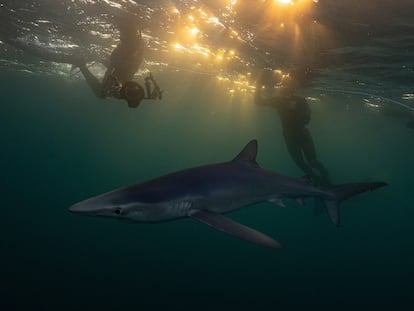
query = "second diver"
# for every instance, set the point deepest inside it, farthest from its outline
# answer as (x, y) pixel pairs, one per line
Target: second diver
(295, 115)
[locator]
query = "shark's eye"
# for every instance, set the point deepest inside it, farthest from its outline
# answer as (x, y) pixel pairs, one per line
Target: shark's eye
(118, 211)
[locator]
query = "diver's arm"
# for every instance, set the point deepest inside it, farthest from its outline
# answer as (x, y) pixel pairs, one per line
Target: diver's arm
(259, 100)
(92, 81)
(50, 55)
(307, 111)
(156, 93)
(303, 109)
(109, 81)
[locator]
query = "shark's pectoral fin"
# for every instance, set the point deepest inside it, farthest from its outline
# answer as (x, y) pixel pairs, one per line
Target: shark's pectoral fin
(300, 201)
(231, 227)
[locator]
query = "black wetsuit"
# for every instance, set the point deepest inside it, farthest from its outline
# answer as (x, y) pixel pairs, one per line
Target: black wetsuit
(295, 115)
(125, 61)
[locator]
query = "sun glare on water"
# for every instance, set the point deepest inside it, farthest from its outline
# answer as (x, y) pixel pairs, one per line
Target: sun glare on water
(195, 26)
(284, 1)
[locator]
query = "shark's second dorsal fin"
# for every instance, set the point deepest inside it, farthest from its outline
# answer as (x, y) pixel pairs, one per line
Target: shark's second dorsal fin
(248, 154)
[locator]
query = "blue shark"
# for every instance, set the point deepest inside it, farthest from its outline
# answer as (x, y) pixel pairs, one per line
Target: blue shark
(206, 193)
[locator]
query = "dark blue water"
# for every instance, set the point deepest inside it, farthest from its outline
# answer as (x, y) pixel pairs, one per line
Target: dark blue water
(61, 145)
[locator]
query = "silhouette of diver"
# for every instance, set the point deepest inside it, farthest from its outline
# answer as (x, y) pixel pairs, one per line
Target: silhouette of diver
(295, 114)
(124, 62)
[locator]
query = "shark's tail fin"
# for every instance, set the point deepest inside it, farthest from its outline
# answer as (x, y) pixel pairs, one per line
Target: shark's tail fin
(345, 191)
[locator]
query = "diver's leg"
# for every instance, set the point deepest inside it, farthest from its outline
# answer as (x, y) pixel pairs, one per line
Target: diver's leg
(44, 53)
(127, 23)
(294, 149)
(127, 57)
(308, 148)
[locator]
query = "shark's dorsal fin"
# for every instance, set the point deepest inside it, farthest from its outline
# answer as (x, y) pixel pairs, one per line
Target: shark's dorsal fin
(248, 154)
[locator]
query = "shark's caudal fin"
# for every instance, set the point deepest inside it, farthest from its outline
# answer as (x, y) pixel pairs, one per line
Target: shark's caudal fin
(345, 191)
(248, 154)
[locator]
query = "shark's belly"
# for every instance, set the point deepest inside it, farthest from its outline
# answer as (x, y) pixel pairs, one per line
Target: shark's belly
(225, 200)
(162, 212)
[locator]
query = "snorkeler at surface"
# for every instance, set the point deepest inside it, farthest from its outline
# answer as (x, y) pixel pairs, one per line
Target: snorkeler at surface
(294, 113)
(124, 62)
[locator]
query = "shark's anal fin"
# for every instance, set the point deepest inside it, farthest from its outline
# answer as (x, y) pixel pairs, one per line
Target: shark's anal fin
(332, 207)
(231, 227)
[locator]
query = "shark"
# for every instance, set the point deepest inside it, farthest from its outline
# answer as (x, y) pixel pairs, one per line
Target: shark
(207, 193)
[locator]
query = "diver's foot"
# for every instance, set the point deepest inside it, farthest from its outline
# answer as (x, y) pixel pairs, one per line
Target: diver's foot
(311, 179)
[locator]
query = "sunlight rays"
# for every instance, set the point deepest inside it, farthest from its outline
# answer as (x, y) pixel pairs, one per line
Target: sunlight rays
(205, 39)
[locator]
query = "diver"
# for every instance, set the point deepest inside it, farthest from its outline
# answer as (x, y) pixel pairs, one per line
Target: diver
(122, 65)
(124, 62)
(295, 115)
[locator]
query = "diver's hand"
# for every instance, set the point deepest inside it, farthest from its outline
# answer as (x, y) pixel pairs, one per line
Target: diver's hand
(150, 77)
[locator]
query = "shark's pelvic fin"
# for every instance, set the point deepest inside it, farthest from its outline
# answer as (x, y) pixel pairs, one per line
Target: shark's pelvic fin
(231, 227)
(277, 201)
(332, 207)
(300, 201)
(248, 154)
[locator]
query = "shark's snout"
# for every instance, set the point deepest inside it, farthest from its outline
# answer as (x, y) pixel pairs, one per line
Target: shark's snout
(77, 208)
(85, 207)
(98, 206)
